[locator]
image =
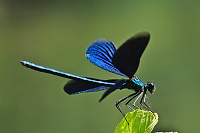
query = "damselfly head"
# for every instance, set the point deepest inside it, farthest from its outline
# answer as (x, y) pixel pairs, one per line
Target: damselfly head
(150, 87)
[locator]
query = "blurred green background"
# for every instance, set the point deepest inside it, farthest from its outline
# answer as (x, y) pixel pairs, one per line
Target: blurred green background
(56, 34)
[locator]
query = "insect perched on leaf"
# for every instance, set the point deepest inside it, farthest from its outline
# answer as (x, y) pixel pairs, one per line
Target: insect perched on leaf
(122, 61)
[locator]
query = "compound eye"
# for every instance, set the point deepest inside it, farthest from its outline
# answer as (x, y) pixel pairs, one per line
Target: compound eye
(151, 87)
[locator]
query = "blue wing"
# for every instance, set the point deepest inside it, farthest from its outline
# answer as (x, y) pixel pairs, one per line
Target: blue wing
(100, 53)
(76, 86)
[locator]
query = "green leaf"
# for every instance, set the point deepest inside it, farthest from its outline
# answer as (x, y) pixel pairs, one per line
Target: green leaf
(139, 122)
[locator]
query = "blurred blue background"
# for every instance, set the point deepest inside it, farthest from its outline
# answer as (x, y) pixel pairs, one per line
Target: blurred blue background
(56, 34)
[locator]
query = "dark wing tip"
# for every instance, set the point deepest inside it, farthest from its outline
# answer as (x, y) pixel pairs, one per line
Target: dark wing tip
(138, 42)
(101, 99)
(110, 90)
(142, 35)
